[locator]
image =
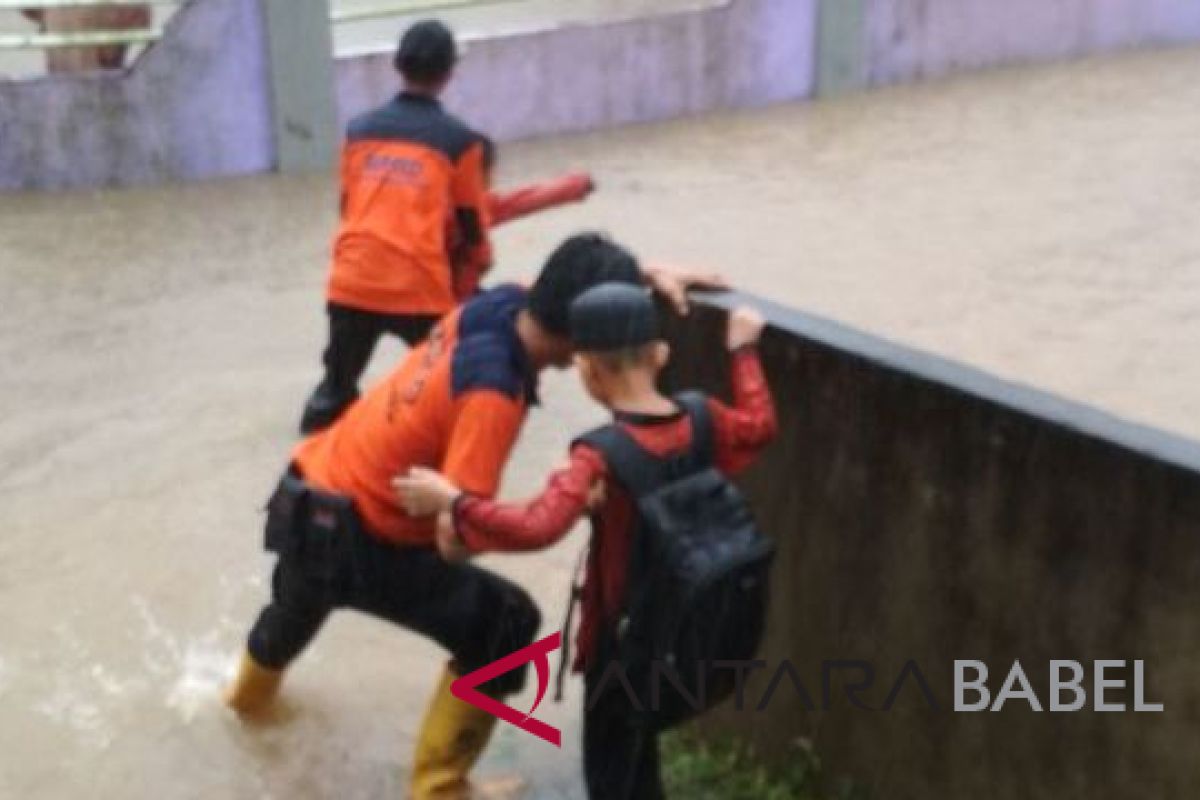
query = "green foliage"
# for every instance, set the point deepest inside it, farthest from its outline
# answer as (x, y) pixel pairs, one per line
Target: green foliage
(727, 769)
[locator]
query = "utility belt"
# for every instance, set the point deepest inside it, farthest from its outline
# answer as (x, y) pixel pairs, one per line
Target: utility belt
(313, 529)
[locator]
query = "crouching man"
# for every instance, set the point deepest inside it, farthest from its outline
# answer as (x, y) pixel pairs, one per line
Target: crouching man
(455, 403)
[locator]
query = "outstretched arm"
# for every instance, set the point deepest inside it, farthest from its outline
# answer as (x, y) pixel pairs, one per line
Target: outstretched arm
(481, 525)
(570, 188)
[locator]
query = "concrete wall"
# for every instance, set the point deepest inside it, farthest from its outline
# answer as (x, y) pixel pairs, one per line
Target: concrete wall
(912, 39)
(303, 107)
(194, 106)
(727, 54)
(927, 511)
(203, 103)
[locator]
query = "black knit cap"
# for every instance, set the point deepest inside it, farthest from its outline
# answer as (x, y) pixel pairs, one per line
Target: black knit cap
(581, 262)
(613, 316)
(427, 52)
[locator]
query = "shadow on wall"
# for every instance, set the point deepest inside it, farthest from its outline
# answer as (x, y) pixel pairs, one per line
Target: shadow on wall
(928, 512)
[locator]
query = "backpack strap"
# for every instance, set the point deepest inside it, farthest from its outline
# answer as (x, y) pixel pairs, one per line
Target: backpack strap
(703, 450)
(564, 657)
(641, 472)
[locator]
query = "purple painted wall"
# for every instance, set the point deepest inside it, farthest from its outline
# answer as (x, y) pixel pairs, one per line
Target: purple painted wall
(199, 104)
(913, 39)
(731, 54)
(195, 105)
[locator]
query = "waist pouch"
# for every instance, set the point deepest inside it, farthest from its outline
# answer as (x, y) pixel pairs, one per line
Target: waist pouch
(312, 528)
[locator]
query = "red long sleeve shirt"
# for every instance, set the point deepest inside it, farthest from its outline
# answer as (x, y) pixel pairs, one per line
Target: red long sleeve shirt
(740, 432)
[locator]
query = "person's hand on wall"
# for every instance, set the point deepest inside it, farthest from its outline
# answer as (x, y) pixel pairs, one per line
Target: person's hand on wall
(745, 327)
(674, 282)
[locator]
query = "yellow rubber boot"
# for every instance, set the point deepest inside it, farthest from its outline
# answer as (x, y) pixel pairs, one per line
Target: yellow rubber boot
(452, 737)
(253, 689)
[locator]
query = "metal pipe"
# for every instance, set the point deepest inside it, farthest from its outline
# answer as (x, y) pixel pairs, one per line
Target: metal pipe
(50, 41)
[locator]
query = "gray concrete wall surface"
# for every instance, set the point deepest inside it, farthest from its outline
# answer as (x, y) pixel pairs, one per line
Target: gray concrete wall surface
(840, 46)
(196, 105)
(927, 511)
(302, 99)
(576, 77)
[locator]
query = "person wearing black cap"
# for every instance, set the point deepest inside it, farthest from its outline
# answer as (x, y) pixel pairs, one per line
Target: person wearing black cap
(614, 329)
(408, 170)
(455, 403)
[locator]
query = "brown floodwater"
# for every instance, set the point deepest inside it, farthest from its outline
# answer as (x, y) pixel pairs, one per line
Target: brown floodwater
(158, 344)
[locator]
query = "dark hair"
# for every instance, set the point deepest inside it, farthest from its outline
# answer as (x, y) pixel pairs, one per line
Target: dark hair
(427, 52)
(581, 262)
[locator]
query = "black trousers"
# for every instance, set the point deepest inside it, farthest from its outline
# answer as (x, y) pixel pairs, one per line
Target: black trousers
(474, 614)
(353, 334)
(620, 755)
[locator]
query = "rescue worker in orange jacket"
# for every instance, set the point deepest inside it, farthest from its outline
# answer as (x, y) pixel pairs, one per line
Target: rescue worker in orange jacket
(407, 167)
(455, 403)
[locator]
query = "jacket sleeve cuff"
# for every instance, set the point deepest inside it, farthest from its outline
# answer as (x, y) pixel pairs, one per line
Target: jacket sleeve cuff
(458, 513)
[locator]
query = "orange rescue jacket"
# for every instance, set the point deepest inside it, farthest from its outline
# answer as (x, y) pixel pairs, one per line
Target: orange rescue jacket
(406, 168)
(455, 403)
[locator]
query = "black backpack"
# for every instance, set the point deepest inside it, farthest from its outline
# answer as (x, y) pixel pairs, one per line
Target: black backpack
(697, 579)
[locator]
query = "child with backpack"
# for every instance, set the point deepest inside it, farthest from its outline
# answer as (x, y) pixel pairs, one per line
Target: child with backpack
(676, 570)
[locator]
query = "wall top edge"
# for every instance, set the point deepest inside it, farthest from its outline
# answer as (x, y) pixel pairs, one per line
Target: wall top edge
(469, 37)
(1080, 418)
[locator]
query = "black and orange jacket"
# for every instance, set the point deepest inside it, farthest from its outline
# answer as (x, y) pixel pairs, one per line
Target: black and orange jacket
(455, 403)
(406, 168)
(741, 431)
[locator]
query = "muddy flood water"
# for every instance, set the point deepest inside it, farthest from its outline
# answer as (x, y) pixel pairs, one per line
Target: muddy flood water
(157, 346)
